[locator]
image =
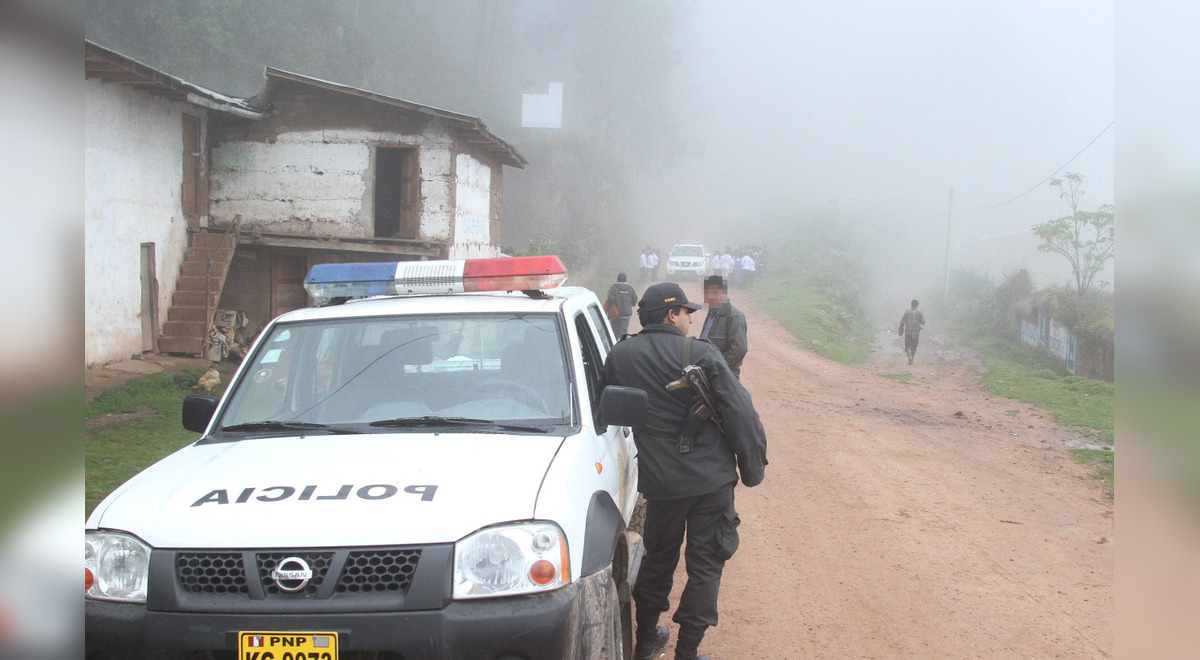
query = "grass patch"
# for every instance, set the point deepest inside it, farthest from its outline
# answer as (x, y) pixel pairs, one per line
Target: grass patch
(826, 326)
(1012, 413)
(131, 427)
(899, 378)
(1101, 462)
(1017, 373)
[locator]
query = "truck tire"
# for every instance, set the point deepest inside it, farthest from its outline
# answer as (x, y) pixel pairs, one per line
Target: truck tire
(607, 626)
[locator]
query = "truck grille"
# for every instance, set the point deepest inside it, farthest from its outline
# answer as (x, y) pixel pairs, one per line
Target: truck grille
(211, 572)
(378, 570)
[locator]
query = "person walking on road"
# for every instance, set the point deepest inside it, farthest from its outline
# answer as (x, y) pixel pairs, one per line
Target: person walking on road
(688, 487)
(619, 305)
(724, 326)
(726, 263)
(910, 328)
(748, 267)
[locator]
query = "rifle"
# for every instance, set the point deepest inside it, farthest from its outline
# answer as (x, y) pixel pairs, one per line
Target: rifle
(703, 408)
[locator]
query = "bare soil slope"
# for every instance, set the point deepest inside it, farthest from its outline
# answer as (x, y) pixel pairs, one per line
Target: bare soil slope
(908, 519)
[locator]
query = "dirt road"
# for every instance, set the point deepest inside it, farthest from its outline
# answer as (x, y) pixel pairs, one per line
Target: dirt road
(908, 519)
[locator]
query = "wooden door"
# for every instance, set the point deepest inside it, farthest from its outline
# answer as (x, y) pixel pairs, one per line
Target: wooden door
(287, 283)
(190, 193)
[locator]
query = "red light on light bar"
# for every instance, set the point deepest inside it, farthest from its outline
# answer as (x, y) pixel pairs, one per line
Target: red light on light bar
(514, 273)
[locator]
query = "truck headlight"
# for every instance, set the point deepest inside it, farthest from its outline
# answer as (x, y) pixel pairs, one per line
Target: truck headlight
(115, 567)
(511, 559)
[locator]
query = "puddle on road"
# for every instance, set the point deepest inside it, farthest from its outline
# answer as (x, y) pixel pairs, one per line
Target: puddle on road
(1075, 443)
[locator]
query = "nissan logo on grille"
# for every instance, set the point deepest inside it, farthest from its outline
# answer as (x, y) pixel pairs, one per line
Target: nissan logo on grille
(292, 574)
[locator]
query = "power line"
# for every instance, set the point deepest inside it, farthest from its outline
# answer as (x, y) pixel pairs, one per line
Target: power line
(1064, 165)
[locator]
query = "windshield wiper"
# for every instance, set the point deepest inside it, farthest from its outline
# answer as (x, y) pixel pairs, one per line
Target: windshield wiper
(275, 425)
(433, 420)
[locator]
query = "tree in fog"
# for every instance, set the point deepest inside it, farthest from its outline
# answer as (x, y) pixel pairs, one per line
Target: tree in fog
(1084, 238)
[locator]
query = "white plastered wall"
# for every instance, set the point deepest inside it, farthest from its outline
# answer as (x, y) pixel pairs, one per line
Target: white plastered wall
(472, 210)
(321, 183)
(133, 172)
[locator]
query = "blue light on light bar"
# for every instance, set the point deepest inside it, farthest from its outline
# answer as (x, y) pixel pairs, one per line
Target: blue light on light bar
(327, 281)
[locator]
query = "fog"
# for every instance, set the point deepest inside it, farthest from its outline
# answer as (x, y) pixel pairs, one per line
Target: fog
(725, 123)
(876, 110)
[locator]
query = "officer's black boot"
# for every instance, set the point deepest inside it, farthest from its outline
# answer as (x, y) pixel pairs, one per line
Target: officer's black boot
(650, 637)
(688, 642)
(644, 649)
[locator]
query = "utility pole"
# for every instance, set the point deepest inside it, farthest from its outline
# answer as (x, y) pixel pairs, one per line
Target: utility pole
(949, 223)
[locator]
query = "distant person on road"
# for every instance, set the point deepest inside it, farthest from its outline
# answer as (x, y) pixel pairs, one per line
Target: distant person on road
(654, 265)
(726, 263)
(644, 262)
(910, 328)
(724, 326)
(748, 267)
(689, 492)
(619, 305)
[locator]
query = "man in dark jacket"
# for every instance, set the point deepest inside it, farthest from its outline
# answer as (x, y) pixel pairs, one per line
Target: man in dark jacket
(619, 305)
(686, 492)
(910, 328)
(724, 326)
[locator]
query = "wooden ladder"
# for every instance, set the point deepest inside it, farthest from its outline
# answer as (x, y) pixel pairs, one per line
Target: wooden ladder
(201, 279)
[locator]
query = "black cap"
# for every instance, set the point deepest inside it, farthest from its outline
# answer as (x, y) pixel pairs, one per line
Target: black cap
(665, 295)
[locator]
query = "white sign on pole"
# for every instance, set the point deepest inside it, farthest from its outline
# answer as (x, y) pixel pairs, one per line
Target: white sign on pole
(543, 110)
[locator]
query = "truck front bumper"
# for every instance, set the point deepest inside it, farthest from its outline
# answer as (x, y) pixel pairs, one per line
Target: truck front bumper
(532, 626)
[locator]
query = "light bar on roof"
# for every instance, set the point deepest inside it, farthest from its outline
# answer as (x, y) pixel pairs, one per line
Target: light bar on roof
(409, 278)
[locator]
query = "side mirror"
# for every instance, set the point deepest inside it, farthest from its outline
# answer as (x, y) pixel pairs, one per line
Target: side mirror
(198, 411)
(623, 406)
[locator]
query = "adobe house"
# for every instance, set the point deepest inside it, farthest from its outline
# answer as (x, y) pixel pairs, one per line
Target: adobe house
(307, 171)
(335, 173)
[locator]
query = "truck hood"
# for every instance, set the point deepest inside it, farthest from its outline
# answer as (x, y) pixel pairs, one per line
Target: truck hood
(331, 490)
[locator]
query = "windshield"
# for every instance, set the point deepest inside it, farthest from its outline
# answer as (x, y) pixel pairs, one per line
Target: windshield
(482, 368)
(687, 251)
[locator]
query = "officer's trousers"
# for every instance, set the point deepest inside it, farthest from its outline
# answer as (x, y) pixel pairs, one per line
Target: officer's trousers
(710, 522)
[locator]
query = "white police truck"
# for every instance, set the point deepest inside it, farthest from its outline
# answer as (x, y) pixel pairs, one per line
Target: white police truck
(688, 258)
(424, 466)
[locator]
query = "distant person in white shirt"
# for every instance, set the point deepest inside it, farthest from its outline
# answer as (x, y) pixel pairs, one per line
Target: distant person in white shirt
(726, 263)
(747, 270)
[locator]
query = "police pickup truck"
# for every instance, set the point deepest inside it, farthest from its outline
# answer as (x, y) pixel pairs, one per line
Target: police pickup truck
(425, 466)
(689, 258)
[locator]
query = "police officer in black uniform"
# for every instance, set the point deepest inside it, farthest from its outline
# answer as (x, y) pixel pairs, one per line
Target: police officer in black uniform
(686, 492)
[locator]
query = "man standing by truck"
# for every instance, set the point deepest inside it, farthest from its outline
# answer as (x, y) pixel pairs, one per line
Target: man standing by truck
(687, 478)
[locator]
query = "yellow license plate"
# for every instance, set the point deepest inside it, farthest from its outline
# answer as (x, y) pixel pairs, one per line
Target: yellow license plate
(289, 645)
